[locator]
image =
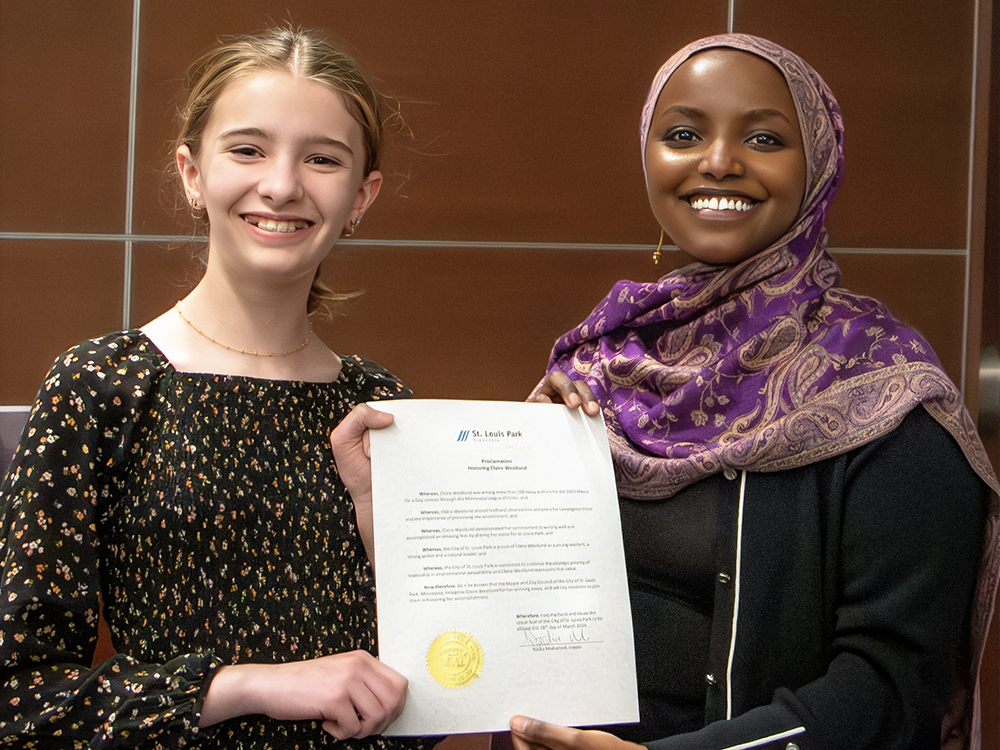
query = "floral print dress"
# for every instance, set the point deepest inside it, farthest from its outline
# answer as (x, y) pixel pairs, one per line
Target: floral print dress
(205, 515)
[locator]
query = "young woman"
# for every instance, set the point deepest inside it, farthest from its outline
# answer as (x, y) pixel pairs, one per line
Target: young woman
(179, 476)
(809, 516)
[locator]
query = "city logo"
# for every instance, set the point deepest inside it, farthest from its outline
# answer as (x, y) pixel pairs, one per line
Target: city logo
(487, 436)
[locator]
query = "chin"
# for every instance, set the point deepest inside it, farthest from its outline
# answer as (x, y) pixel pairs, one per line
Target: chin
(723, 257)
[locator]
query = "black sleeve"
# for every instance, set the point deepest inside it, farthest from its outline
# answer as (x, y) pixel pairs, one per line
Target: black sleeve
(77, 438)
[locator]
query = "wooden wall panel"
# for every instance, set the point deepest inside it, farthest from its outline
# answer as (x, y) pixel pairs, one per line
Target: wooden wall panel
(52, 296)
(64, 76)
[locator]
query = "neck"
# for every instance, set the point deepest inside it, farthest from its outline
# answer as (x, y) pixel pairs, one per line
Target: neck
(248, 320)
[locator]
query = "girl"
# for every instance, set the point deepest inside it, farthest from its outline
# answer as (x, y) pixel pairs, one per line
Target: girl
(809, 516)
(179, 476)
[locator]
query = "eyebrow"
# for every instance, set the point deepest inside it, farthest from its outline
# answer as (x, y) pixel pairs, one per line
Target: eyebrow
(680, 109)
(763, 114)
(259, 133)
(751, 116)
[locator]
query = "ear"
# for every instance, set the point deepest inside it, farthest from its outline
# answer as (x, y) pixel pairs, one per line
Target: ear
(366, 194)
(187, 168)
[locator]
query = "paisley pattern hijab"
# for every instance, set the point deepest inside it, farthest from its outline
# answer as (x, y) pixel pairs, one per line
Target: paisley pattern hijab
(764, 365)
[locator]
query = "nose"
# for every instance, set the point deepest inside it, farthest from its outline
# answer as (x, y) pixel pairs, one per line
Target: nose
(280, 182)
(720, 159)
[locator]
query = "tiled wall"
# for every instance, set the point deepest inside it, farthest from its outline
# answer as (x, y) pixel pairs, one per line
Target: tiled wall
(514, 196)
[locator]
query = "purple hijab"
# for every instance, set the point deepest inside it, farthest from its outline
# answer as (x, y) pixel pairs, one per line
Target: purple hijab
(764, 365)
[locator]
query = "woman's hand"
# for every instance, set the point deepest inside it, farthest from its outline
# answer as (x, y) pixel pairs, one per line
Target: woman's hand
(352, 453)
(556, 387)
(532, 734)
(353, 694)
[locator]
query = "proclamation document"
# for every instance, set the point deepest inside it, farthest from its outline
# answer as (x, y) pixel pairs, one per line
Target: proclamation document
(500, 568)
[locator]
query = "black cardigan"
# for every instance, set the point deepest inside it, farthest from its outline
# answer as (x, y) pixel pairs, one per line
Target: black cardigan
(849, 582)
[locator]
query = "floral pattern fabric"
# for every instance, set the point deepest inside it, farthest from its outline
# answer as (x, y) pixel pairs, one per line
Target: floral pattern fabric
(206, 516)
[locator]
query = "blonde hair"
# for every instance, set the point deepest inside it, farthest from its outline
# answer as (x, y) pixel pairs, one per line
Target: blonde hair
(301, 53)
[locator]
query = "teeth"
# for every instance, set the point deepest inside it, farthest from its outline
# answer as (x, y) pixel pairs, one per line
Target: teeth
(723, 204)
(269, 225)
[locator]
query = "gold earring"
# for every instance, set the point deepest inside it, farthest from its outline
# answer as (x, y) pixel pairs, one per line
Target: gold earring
(656, 253)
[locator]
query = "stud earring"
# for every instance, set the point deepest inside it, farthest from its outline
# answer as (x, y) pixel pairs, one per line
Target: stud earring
(194, 203)
(656, 253)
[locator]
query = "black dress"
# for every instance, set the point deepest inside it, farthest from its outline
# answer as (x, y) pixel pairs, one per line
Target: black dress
(205, 514)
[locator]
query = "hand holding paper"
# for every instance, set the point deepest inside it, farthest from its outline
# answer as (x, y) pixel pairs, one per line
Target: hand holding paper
(352, 452)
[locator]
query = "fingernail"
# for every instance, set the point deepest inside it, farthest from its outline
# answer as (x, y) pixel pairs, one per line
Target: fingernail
(517, 724)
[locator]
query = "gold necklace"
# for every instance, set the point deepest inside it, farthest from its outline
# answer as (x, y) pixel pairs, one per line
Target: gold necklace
(299, 348)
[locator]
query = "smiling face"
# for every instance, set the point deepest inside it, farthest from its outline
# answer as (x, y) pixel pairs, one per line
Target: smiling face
(280, 171)
(725, 164)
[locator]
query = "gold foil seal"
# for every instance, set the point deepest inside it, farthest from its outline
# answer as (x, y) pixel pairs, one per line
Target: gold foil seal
(454, 659)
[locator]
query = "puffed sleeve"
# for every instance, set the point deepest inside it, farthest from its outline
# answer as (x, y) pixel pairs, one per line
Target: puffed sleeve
(377, 383)
(77, 441)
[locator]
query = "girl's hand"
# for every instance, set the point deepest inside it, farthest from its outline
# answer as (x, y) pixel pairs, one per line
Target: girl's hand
(352, 453)
(532, 734)
(556, 387)
(353, 694)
